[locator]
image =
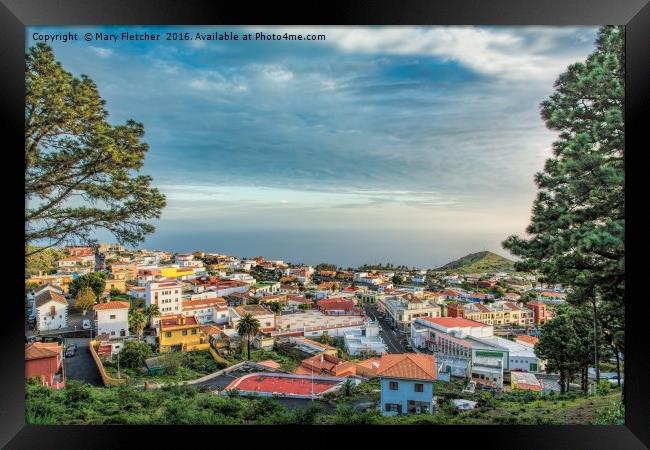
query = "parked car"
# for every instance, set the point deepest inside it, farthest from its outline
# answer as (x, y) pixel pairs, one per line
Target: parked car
(408, 347)
(71, 350)
(86, 324)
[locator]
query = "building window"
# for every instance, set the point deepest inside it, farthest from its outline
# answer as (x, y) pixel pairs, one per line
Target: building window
(184, 333)
(393, 407)
(112, 316)
(419, 387)
(194, 331)
(168, 334)
(392, 385)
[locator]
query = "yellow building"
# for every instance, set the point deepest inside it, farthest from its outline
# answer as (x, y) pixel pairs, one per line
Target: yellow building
(127, 272)
(119, 285)
(180, 333)
(176, 272)
(57, 280)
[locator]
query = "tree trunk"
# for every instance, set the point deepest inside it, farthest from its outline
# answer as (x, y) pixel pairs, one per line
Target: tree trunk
(618, 368)
(248, 345)
(596, 356)
(562, 385)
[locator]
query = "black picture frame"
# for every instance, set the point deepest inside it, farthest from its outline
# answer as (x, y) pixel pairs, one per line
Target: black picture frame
(16, 15)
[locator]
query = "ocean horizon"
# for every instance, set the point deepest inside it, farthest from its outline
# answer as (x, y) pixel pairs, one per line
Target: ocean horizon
(345, 248)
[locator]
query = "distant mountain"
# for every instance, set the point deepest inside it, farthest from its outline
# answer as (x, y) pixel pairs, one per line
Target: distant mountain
(479, 262)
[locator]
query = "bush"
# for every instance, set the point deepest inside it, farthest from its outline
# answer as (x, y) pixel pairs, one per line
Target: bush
(134, 354)
(614, 414)
(76, 392)
(603, 387)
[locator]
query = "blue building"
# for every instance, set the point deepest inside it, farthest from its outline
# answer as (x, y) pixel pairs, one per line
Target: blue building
(406, 383)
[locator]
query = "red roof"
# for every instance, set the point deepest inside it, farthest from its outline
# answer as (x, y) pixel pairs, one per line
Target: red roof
(408, 366)
(171, 322)
(453, 322)
(335, 304)
(38, 350)
(259, 382)
(114, 304)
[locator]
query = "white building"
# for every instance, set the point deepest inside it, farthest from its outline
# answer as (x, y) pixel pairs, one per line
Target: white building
(167, 295)
(246, 278)
(213, 310)
(137, 292)
(51, 311)
(365, 341)
(112, 318)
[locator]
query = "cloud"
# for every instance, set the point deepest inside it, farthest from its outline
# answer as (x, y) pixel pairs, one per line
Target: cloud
(503, 53)
(275, 73)
(214, 81)
(102, 52)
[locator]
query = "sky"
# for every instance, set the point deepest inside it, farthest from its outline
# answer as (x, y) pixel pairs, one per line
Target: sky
(409, 145)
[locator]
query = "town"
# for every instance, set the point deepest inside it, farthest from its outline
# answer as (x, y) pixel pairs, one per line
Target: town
(407, 341)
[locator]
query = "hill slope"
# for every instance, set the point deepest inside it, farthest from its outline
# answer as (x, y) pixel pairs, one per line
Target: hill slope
(479, 262)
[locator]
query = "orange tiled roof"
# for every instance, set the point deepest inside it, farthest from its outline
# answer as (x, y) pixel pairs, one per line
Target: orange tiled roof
(269, 363)
(211, 329)
(114, 304)
(408, 366)
(42, 350)
(528, 339)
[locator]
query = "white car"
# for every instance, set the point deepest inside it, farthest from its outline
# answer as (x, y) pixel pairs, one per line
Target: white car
(86, 324)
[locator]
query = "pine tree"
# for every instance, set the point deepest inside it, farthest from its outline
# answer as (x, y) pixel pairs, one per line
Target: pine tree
(577, 228)
(72, 152)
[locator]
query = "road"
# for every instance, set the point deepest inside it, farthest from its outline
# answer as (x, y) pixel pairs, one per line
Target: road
(82, 366)
(395, 341)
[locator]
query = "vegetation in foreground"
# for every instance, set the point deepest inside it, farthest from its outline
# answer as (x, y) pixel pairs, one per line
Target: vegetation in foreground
(81, 403)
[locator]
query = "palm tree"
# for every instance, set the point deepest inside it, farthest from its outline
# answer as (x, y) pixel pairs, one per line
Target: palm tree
(248, 326)
(276, 307)
(150, 312)
(137, 321)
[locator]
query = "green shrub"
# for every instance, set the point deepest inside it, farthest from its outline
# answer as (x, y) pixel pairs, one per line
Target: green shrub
(603, 387)
(134, 354)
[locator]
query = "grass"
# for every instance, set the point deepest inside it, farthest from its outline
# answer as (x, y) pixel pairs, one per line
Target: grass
(287, 363)
(189, 366)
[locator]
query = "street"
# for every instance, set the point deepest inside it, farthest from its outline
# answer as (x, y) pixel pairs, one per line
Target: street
(395, 341)
(81, 366)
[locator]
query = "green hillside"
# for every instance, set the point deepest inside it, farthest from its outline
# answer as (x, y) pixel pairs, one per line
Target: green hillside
(480, 262)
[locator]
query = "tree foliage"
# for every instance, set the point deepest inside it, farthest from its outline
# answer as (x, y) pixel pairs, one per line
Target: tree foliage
(577, 230)
(41, 260)
(94, 280)
(137, 321)
(578, 223)
(134, 354)
(85, 299)
(247, 327)
(81, 173)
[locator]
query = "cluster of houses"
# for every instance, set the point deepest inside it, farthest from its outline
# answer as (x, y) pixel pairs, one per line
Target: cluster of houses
(202, 297)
